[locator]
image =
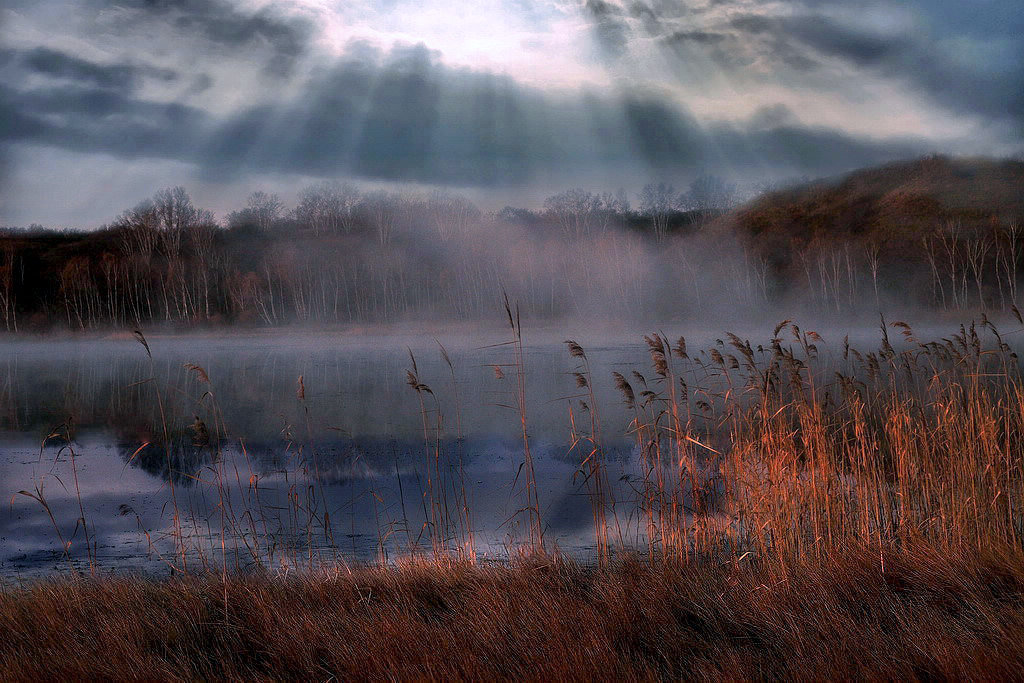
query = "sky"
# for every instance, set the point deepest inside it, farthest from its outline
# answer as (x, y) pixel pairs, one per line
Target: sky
(104, 102)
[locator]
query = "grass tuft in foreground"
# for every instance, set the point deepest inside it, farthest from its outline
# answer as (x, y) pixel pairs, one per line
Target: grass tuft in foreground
(927, 614)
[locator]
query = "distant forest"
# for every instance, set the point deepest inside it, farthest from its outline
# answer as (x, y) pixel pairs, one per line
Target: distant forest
(346, 255)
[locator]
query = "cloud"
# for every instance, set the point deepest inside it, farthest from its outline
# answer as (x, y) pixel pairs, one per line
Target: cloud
(963, 61)
(281, 37)
(986, 89)
(703, 37)
(61, 65)
(609, 26)
(860, 47)
(92, 119)
(639, 89)
(403, 115)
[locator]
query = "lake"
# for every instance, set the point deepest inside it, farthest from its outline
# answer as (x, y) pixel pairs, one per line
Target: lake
(288, 448)
(351, 439)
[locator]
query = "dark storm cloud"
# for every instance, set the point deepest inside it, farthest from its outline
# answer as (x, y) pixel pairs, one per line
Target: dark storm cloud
(400, 115)
(664, 136)
(806, 150)
(991, 89)
(92, 119)
(830, 38)
(703, 37)
(224, 25)
(813, 36)
(404, 115)
(963, 57)
(61, 65)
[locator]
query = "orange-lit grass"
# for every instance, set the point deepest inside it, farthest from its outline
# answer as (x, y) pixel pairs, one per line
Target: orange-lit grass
(786, 452)
(803, 517)
(929, 614)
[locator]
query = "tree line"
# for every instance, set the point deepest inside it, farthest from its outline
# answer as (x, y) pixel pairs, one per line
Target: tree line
(332, 208)
(342, 254)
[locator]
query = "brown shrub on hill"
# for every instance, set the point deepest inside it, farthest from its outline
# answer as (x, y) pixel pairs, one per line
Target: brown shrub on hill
(920, 229)
(897, 202)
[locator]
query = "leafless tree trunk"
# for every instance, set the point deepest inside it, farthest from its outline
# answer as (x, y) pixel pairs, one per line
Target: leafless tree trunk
(874, 253)
(977, 249)
(7, 298)
(931, 251)
(1010, 257)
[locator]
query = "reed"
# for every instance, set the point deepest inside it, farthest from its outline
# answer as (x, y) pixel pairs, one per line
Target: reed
(531, 504)
(895, 447)
(790, 449)
(435, 512)
(592, 466)
(802, 511)
(468, 539)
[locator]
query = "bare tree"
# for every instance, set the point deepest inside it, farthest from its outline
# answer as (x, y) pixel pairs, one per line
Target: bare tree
(709, 193)
(950, 240)
(328, 207)
(574, 210)
(265, 209)
(140, 239)
(451, 214)
(658, 202)
(931, 251)
(7, 297)
(381, 208)
(612, 208)
(202, 237)
(977, 249)
(874, 255)
(75, 286)
(830, 271)
(1011, 244)
(175, 213)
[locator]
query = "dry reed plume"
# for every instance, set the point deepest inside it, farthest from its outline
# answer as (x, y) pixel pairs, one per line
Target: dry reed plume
(783, 452)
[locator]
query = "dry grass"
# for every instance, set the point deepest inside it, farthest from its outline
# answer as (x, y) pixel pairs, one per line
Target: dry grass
(798, 450)
(806, 513)
(789, 450)
(928, 615)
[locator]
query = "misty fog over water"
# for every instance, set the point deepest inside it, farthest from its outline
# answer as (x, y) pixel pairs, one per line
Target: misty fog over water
(357, 413)
(282, 400)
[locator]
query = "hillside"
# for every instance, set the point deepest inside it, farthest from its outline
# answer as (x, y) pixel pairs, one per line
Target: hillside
(899, 202)
(939, 232)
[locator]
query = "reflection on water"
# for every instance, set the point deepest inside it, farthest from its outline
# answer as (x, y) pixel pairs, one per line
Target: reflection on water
(272, 451)
(258, 456)
(349, 389)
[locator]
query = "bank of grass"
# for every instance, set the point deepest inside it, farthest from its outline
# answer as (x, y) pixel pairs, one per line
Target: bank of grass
(914, 613)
